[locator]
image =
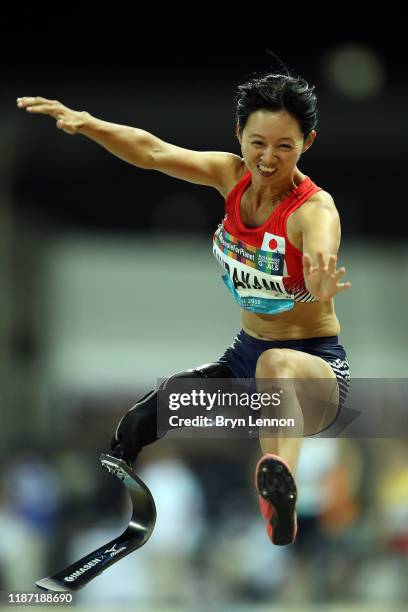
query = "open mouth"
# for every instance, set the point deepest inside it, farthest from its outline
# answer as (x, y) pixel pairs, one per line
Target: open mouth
(266, 170)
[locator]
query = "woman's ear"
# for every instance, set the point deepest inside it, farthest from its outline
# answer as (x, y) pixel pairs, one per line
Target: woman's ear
(309, 140)
(238, 133)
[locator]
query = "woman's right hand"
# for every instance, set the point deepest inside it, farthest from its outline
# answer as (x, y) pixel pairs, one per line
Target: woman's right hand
(68, 120)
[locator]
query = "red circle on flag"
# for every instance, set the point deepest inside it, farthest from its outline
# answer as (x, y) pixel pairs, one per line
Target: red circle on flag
(273, 244)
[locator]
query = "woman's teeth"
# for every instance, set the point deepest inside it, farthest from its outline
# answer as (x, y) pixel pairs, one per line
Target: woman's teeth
(266, 169)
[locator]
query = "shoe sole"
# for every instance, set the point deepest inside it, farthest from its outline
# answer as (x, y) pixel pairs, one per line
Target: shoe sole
(276, 484)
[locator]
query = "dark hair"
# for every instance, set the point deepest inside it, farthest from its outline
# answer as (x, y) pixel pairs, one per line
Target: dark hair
(276, 92)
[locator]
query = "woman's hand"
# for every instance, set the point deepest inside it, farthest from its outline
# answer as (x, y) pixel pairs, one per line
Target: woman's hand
(323, 281)
(68, 120)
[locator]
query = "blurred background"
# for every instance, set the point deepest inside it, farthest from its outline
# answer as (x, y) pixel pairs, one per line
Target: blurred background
(108, 283)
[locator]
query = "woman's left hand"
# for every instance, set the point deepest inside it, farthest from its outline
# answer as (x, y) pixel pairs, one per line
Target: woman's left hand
(322, 280)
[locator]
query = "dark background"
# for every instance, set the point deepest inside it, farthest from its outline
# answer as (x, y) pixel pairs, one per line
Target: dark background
(174, 72)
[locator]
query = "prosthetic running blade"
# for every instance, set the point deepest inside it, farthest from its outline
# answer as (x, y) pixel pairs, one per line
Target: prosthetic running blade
(139, 530)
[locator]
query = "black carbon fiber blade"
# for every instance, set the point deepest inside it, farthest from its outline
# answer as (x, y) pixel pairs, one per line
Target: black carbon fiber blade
(139, 530)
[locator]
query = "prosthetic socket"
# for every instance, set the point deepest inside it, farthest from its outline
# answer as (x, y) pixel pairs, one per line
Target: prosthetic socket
(138, 427)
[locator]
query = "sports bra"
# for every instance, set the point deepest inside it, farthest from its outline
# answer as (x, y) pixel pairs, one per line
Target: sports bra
(264, 271)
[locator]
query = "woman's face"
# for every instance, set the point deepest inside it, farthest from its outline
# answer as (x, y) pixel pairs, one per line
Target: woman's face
(271, 144)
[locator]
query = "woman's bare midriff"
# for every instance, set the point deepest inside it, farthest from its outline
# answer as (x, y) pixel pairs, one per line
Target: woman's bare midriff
(305, 320)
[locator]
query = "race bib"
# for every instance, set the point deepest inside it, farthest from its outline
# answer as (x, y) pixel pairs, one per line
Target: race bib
(254, 276)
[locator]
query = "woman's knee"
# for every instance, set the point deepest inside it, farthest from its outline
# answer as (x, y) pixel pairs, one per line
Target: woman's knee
(274, 363)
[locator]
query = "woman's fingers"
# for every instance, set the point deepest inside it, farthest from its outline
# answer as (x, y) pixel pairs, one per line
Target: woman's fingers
(332, 264)
(40, 105)
(343, 286)
(67, 120)
(306, 259)
(340, 272)
(320, 260)
(32, 101)
(307, 263)
(330, 268)
(39, 108)
(324, 276)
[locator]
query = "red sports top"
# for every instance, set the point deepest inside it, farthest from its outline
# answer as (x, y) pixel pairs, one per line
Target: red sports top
(264, 269)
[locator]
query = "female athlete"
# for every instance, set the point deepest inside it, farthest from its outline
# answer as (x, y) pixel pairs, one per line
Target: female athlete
(278, 244)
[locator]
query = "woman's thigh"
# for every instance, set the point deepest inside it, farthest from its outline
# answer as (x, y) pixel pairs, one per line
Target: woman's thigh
(310, 377)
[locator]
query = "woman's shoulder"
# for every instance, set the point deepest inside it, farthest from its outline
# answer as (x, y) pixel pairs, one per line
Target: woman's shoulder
(320, 199)
(320, 202)
(319, 206)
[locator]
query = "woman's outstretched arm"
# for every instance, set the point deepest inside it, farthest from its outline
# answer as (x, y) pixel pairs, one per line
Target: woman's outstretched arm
(138, 147)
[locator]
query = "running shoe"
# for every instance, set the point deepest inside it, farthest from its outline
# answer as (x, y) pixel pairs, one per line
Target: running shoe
(277, 498)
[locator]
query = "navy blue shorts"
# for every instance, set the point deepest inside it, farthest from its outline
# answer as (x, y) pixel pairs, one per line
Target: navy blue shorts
(242, 356)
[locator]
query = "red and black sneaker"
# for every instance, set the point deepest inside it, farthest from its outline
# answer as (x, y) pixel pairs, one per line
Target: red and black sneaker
(277, 498)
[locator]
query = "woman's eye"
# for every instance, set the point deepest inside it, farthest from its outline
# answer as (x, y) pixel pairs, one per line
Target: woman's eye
(258, 142)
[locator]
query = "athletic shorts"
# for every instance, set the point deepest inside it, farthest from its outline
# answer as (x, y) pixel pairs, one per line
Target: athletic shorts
(242, 356)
